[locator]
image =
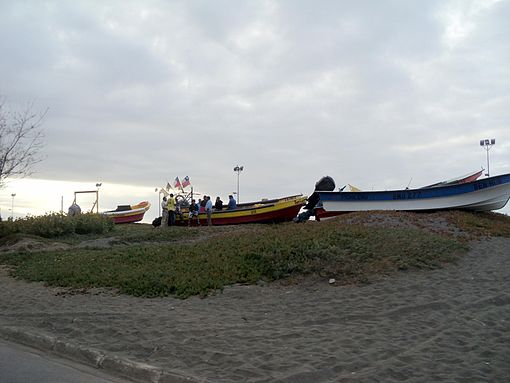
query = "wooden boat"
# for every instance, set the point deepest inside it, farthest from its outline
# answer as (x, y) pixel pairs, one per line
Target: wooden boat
(128, 213)
(265, 211)
(486, 194)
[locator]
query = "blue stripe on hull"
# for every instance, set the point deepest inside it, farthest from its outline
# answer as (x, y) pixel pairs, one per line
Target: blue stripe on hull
(414, 194)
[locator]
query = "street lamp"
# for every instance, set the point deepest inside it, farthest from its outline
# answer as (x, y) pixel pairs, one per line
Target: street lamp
(156, 190)
(487, 145)
(12, 206)
(238, 169)
(98, 185)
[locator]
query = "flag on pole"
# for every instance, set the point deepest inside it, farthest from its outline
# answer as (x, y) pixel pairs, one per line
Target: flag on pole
(177, 183)
(185, 182)
(168, 186)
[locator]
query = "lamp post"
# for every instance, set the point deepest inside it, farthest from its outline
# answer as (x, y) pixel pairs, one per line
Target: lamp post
(487, 145)
(238, 169)
(98, 185)
(159, 201)
(12, 206)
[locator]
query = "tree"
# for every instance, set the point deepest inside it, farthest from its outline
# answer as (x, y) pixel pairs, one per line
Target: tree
(21, 140)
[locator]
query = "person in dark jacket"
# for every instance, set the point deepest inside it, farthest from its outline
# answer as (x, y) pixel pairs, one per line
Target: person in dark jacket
(218, 205)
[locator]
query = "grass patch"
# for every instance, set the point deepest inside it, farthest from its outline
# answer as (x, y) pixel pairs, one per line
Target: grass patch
(481, 224)
(242, 254)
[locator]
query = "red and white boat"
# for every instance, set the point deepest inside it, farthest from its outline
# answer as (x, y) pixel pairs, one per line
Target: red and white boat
(128, 213)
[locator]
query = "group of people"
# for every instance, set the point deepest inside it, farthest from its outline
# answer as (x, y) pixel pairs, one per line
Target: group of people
(171, 208)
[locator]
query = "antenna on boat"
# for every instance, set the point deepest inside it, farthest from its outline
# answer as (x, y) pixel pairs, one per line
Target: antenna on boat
(409, 184)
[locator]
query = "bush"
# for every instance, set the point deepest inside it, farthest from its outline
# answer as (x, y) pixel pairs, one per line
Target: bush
(92, 224)
(55, 225)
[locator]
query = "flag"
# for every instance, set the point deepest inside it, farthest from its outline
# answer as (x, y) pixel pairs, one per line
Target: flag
(177, 183)
(185, 182)
(168, 186)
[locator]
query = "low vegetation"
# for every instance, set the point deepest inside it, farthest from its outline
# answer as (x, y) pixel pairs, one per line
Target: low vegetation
(57, 225)
(196, 261)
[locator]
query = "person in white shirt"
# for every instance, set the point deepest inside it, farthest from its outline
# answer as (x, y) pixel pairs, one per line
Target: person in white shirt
(208, 210)
(164, 215)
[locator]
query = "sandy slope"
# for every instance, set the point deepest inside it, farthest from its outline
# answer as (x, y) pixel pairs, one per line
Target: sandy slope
(445, 325)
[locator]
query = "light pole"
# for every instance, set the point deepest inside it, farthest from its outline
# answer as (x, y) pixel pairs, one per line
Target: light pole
(487, 145)
(98, 185)
(12, 206)
(159, 201)
(238, 169)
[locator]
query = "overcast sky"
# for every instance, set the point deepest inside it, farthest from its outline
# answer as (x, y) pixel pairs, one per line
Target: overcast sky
(373, 93)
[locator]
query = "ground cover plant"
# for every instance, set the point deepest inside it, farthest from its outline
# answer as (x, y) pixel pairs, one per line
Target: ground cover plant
(195, 261)
(183, 261)
(54, 225)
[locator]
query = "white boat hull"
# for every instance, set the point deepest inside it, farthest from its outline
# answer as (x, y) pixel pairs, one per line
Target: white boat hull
(482, 195)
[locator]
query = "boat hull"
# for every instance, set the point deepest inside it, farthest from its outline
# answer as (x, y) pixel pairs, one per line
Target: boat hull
(134, 214)
(483, 195)
(281, 210)
(128, 218)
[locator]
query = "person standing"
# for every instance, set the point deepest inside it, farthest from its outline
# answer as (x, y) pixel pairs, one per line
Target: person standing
(171, 210)
(164, 212)
(208, 210)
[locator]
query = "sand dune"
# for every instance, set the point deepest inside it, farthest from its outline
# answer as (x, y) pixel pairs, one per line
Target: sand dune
(448, 325)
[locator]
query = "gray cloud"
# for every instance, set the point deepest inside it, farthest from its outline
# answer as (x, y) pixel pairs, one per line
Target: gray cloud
(372, 93)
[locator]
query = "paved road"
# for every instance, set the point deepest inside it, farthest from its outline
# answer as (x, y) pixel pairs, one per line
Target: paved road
(19, 364)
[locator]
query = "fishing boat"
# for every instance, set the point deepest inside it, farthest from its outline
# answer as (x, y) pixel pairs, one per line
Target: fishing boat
(128, 213)
(265, 211)
(487, 194)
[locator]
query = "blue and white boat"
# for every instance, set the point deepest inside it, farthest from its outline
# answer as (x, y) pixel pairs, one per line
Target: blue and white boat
(486, 194)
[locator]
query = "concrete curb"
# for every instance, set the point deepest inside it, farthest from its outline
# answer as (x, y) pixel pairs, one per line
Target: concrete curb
(138, 372)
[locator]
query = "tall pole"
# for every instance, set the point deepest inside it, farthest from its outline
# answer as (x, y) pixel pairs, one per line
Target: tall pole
(487, 145)
(488, 164)
(12, 206)
(98, 185)
(238, 169)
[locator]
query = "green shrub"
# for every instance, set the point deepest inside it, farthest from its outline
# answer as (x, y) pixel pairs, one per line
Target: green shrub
(92, 224)
(53, 225)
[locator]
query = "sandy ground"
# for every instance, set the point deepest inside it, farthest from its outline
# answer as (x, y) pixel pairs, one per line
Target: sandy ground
(448, 325)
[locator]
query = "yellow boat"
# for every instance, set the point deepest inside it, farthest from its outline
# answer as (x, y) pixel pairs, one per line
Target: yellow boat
(265, 211)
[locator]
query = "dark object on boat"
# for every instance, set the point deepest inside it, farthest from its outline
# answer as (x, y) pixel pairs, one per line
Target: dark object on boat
(324, 184)
(123, 208)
